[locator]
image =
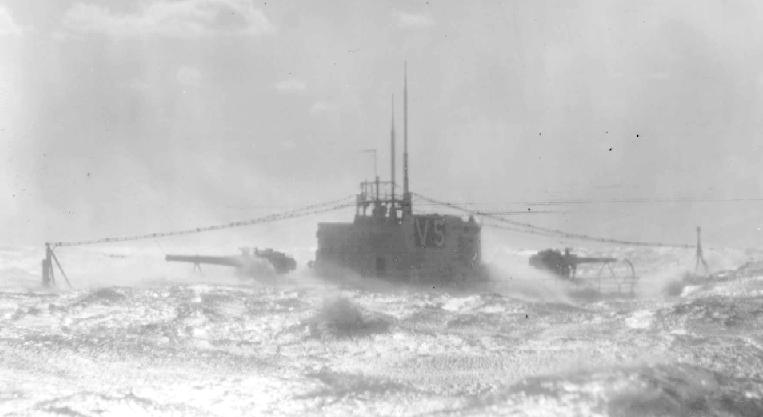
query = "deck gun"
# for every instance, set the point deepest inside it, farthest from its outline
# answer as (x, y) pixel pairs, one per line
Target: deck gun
(566, 264)
(248, 262)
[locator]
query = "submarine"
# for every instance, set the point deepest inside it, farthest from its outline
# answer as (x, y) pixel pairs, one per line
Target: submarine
(387, 240)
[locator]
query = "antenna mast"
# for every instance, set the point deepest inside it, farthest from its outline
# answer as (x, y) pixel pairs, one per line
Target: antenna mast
(700, 255)
(406, 191)
(392, 157)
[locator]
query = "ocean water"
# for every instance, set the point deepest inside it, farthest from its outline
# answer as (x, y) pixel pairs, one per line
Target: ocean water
(136, 337)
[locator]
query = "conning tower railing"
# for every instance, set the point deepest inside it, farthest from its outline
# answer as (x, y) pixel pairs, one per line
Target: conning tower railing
(379, 197)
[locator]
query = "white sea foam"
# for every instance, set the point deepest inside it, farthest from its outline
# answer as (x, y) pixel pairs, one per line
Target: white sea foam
(188, 344)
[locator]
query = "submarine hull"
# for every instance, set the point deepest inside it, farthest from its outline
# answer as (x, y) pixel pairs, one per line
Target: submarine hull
(416, 249)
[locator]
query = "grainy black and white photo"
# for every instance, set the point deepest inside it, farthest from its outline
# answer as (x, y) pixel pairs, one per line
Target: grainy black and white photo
(381, 208)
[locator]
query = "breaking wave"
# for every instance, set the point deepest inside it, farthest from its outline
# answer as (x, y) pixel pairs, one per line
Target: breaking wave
(343, 318)
(523, 346)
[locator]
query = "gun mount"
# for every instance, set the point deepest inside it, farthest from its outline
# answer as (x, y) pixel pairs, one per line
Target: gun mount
(282, 263)
(621, 279)
(564, 265)
(248, 262)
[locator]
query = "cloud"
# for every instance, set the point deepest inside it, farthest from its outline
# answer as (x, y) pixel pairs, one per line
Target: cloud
(412, 20)
(321, 107)
(8, 27)
(189, 76)
(170, 18)
(291, 85)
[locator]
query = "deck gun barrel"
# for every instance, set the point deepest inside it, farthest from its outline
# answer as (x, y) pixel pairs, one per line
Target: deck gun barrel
(210, 260)
(581, 260)
(249, 262)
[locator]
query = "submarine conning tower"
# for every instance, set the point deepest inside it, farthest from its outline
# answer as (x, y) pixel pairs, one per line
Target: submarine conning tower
(387, 240)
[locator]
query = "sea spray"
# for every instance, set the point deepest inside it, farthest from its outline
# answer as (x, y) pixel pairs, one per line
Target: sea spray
(340, 317)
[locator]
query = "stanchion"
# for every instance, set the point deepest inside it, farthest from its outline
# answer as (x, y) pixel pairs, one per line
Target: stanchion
(48, 277)
(47, 267)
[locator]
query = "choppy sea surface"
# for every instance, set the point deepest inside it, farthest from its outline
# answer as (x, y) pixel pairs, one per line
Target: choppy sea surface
(132, 340)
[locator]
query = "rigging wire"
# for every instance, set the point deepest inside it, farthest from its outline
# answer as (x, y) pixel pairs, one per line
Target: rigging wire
(623, 201)
(348, 201)
(549, 232)
(298, 212)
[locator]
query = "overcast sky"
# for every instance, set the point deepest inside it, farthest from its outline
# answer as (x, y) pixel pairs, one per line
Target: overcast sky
(138, 116)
